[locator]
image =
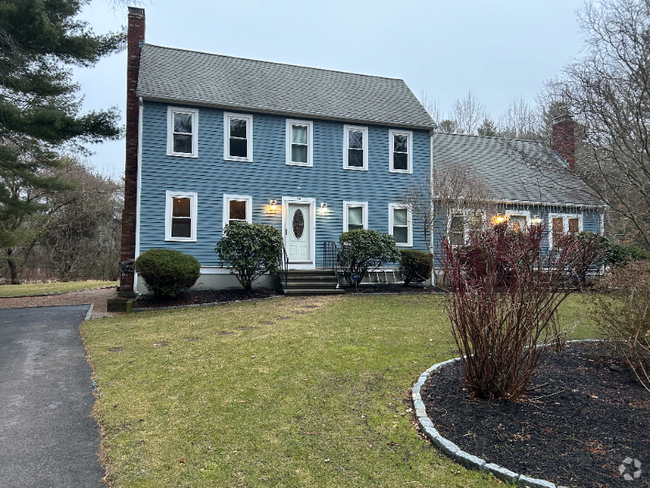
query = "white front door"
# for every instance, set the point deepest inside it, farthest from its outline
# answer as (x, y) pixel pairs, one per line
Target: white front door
(298, 234)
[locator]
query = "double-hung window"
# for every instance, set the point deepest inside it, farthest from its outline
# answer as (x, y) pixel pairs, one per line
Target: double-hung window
(182, 132)
(400, 224)
(355, 216)
(463, 225)
(238, 137)
(237, 208)
(299, 142)
(401, 150)
(181, 216)
(355, 147)
(562, 224)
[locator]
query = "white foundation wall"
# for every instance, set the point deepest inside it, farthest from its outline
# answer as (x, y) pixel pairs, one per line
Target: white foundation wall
(215, 278)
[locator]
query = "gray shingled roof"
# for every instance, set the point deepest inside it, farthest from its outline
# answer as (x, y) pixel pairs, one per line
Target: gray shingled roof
(180, 76)
(514, 170)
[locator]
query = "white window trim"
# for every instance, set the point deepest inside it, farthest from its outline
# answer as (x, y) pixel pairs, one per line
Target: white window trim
(391, 150)
(409, 223)
(518, 213)
(195, 131)
(237, 198)
(565, 224)
(466, 227)
(194, 205)
(349, 204)
(310, 142)
(346, 140)
(226, 136)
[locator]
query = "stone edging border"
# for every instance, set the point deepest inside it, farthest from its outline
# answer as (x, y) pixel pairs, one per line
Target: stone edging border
(453, 451)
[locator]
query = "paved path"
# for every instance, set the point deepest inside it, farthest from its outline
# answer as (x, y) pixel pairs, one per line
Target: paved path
(47, 436)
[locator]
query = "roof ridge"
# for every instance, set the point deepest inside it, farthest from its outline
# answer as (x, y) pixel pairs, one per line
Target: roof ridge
(276, 62)
(500, 138)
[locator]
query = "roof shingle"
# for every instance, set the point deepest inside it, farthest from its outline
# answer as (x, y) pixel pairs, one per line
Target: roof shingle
(180, 76)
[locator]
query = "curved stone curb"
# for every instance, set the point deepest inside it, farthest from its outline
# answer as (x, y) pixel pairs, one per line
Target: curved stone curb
(456, 453)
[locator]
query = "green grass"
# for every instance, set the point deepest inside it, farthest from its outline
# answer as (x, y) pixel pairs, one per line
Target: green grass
(49, 288)
(320, 399)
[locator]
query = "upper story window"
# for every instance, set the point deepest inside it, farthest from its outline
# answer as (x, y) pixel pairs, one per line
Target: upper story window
(299, 142)
(355, 216)
(355, 147)
(401, 150)
(238, 137)
(400, 224)
(562, 224)
(237, 208)
(181, 216)
(182, 132)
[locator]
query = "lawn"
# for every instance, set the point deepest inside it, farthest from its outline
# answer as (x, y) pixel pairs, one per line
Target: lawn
(32, 289)
(285, 392)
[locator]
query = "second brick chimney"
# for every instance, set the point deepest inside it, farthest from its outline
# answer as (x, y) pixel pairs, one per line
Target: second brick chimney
(563, 139)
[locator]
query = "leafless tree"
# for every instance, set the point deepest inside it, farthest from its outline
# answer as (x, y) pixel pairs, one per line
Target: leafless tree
(521, 121)
(455, 197)
(609, 93)
(469, 113)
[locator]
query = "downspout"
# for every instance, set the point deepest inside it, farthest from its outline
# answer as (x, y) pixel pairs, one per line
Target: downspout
(433, 269)
(138, 190)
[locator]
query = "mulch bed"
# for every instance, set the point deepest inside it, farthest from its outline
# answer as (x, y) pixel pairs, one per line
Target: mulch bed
(197, 297)
(585, 413)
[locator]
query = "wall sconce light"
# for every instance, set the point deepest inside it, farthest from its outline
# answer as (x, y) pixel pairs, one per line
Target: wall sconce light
(274, 205)
(323, 207)
(535, 220)
(499, 219)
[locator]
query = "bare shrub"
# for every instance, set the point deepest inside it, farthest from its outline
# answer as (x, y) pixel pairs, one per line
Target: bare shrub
(622, 312)
(505, 293)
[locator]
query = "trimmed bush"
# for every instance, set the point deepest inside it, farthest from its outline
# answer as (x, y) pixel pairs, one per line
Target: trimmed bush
(364, 249)
(250, 250)
(415, 266)
(166, 272)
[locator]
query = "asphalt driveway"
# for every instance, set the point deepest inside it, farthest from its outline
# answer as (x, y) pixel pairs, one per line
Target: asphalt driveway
(47, 436)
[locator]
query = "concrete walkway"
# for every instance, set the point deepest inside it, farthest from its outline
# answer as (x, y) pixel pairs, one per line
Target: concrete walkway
(47, 435)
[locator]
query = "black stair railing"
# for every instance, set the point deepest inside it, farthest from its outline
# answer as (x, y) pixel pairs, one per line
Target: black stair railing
(283, 261)
(330, 252)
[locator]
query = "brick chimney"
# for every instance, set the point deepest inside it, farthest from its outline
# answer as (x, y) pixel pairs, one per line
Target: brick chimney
(135, 41)
(563, 139)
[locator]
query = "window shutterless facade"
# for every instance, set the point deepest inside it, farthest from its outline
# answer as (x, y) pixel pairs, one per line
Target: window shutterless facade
(182, 132)
(400, 224)
(300, 142)
(401, 151)
(355, 148)
(562, 224)
(181, 216)
(238, 137)
(355, 215)
(237, 208)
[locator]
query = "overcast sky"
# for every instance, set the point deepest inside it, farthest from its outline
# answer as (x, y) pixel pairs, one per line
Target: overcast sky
(498, 49)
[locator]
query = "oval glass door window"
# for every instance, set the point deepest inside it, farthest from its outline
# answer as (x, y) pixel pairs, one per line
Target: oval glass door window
(298, 224)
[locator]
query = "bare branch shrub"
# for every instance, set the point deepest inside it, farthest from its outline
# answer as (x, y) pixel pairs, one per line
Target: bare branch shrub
(505, 293)
(622, 312)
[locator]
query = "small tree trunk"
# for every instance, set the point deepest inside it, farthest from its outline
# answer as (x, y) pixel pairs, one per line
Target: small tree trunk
(13, 268)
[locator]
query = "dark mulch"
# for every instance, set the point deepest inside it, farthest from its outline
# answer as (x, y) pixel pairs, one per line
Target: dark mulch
(196, 297)
(391, 288)
(584, 415)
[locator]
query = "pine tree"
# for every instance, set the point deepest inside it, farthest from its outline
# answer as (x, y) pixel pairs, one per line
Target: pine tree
(40, 104)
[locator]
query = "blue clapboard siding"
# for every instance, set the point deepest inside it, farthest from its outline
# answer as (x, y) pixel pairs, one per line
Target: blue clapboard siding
(267, 178)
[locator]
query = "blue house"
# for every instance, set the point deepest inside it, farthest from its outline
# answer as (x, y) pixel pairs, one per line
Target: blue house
(214, 139)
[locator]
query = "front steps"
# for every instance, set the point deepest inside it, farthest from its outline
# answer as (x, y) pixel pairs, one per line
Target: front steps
(311, 282)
